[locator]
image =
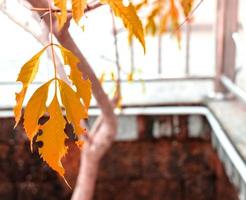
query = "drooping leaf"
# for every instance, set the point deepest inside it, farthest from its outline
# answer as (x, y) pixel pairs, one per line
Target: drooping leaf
(75, 111)
(83, 86)
(163, 22)
(53, 138)
(78, 7)
(129, 17)
(61, 16)
(141, 4)
(26, 76)
(187, 6)
(151, 25)
(35, 109)
(174, 13)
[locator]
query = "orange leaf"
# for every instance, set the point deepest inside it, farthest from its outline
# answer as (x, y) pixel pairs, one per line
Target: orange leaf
(53, 138)
(78, 7)
(187, 6)
(75, 111)
(26, 76)
(129, 17)
(61, 16)
(174, 13)
(83, 86)
(35, 109)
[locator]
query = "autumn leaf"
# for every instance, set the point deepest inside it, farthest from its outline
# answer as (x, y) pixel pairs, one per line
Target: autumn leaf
(187, 6)
(174, 13)
(78, 7)
(75, 111)
(35, 109)
(163, 22)
(102, 78)
(53, 138)
(83, 86)
(151, 25)
(61, 16)
(26, 76)
(130, 77)
(129, 17)
(141, 4)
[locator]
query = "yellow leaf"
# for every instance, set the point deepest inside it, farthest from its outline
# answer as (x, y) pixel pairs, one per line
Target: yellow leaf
(83, 87)
(174, 13)
(130, 77)
(163, 23)
(112, 76)
(151, 25)
(141, 4)
(78, 7)
(35, 109)
(61, 16)
(187, 6)
(26, 76)
(129, 17)
(75, 111)
(53, 138)
(102, 78)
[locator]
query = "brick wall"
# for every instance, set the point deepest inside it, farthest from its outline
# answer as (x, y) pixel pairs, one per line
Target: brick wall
(174, 168)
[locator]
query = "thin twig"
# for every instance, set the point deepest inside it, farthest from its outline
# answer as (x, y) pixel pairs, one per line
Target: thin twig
(57, 10)
(52, 47)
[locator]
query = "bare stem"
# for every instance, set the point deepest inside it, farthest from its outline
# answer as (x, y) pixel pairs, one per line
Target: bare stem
(52, 47)
(56, 10)
(117, 59)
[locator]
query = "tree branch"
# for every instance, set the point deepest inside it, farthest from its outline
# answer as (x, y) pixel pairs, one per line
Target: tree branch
(105, 131)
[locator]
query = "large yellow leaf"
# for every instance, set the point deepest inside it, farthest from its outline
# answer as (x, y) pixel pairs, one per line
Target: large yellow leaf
(129, 17)
(61, 16)
(78, 7)
(35, 109)
(53, 138)
(26, 76)
(75, 111)
(83, 86)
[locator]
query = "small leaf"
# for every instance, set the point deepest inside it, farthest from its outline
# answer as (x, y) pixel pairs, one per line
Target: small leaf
(83, 87)
(26, 76)
(102, 78)
(129, 17)
(61, 16)
(163, 22)
(130, 77)
(151, 25)
(75, 111)
(53, 138)
(186, 6)
(174, 13)
(78, 7)
(35, 109)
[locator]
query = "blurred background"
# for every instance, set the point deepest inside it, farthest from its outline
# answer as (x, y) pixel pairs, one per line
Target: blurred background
(183, 107)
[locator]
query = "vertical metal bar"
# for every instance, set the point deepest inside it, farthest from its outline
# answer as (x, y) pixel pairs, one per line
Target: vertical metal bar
(187, 49)
(159, 54)
(132, 56)
(226, 25)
